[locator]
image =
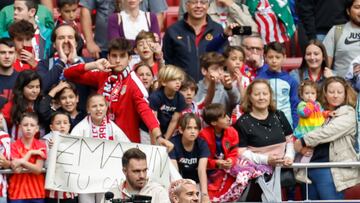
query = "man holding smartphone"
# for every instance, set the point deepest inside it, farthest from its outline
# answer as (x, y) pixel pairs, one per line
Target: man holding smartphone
(227, 12)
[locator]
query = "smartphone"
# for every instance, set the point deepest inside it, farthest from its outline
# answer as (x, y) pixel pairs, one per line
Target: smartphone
(28, 48)
(241, 30)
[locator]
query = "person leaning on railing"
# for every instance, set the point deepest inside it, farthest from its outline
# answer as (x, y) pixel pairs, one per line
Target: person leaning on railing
(333, 142)
(265, 134)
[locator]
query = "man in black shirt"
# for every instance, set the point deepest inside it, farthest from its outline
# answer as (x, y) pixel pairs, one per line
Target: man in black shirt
(7, 73)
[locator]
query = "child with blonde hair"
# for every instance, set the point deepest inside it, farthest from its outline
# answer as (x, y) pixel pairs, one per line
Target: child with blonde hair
(167, 101)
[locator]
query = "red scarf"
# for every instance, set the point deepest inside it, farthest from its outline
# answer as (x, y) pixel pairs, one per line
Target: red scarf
(113, 85)
(104, 131)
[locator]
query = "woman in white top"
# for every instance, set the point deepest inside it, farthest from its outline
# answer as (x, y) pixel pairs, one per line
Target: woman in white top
(128, 22)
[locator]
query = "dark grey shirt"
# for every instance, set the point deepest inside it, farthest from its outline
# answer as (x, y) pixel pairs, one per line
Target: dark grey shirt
(154, 6)
(104, 8)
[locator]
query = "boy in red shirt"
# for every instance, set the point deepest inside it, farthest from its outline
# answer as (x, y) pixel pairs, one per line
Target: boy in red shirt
(124, 91)
(27, 153)
(223, 141)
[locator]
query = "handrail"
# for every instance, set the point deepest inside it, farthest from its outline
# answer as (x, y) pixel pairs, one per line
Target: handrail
(306, 166)
(10, 171)
(294, 165)
(325, 165)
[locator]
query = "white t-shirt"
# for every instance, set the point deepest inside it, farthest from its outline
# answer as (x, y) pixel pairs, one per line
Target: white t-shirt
(132, 28)
(347, 47)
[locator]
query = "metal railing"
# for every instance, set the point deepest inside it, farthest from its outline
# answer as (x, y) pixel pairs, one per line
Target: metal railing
(306, 166)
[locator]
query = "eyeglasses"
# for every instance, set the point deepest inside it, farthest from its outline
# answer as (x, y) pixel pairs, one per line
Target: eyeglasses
(203, 2)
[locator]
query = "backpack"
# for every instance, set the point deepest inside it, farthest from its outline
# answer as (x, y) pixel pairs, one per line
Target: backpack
(338, 32)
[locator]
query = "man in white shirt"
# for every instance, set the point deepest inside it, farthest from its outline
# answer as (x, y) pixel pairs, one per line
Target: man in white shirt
(137, 183)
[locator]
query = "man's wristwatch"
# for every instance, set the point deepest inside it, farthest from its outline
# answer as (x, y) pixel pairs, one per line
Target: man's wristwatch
(76, 60)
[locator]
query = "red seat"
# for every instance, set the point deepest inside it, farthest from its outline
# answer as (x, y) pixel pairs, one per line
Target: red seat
(353, 192)
(173, 2)
(171, 16)
(292, 63)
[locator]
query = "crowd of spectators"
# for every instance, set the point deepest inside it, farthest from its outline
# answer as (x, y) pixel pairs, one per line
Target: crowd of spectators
(211, 88)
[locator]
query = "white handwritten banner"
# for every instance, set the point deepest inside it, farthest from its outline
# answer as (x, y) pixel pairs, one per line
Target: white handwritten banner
(87, 165)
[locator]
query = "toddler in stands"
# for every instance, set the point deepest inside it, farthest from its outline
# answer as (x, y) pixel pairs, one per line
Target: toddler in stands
(311, 116)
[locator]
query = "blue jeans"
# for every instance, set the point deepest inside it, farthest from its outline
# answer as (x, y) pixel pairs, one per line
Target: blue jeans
(27, 201)
(323, 187)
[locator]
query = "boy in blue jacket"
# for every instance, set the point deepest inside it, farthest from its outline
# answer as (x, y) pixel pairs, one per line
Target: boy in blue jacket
(284, 86)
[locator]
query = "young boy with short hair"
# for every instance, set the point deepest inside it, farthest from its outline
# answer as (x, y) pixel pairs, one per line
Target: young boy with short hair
(67, 10)
(28, 153)
(284, 86)
(22, 32)
(223, 141)
(40, 42)
(167, 101)
(189, 89)
(122, 89)
(226, 93)
(149, 50)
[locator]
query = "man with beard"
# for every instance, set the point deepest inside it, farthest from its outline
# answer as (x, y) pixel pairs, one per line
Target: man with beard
(342, 42)
(183, 191)
(7, 73)
(135, 170)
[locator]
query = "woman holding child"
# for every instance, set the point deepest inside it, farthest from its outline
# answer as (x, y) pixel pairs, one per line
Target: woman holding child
(265, 134)
(333, 142)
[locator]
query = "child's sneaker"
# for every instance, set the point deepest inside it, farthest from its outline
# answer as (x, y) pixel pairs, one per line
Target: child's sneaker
(301, 176)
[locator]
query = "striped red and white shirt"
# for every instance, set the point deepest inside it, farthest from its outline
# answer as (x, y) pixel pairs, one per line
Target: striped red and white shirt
(269, 26)
(5, 151)
(35, 42)
(59, 195)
